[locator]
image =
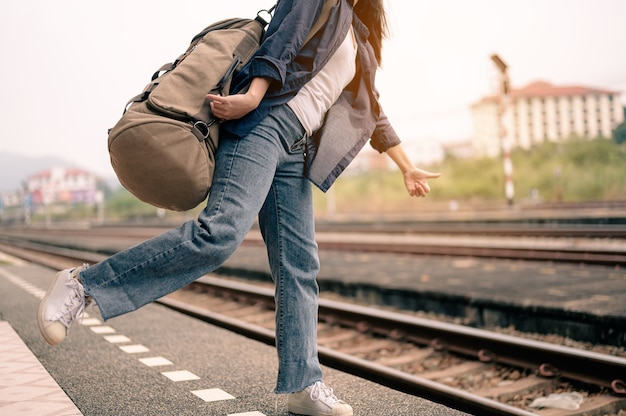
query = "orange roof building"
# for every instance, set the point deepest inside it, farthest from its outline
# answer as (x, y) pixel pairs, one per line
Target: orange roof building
(541, 112)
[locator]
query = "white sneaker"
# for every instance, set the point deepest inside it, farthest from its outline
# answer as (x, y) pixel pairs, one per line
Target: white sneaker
(317, 400)
(64, 302)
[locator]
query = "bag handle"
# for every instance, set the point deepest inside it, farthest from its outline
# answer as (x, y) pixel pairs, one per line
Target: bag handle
(264, 22)
(321, 20)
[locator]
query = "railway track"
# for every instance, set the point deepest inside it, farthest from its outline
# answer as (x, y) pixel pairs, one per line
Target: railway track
(545, 228)
(598, 249)
(476, 371)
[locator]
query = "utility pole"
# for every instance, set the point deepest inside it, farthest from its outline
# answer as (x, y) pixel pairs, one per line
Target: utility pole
(504, 113)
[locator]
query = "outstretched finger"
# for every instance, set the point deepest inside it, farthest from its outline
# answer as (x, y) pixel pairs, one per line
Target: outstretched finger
(432, 175)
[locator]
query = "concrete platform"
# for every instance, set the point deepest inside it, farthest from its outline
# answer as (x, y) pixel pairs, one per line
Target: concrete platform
(153, 362)
(26, 388)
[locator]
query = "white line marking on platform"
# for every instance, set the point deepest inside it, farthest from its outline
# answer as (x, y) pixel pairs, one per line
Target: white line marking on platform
(117, 339)
(183, 375)
(155, 361)
(134, 349)
(11, 259)
(23, 284)
(208, 395)
(90, 321)
(212, 395)
(100, 330)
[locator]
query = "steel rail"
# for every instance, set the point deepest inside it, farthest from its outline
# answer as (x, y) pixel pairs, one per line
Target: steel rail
(502, 228)
(600, 258)
(353, 242)
(364, 243)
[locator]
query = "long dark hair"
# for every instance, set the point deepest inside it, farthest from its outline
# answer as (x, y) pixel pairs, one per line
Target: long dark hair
(372, 14)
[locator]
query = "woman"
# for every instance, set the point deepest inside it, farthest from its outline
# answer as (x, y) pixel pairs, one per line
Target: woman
(310, 107)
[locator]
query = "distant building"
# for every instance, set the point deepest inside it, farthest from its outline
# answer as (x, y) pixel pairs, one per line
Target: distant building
(11, 199)
(542, 112)
(62, 185)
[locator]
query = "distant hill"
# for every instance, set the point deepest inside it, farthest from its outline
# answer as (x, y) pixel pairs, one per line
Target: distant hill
(14, 168)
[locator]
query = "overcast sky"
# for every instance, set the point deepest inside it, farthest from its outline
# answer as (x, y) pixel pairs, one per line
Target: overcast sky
(69, 66)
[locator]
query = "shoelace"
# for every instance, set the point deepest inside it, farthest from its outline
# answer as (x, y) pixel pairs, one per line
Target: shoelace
(74, 306)
(323, 393)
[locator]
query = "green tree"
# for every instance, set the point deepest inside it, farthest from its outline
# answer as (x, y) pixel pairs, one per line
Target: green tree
(619, 134)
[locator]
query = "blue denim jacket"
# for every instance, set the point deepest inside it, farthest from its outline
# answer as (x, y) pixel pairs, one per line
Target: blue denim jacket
(283, 57)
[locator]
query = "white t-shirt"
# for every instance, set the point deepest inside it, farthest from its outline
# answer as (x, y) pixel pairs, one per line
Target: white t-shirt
(318, 95)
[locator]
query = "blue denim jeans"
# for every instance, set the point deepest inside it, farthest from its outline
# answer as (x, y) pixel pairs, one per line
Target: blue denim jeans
(262, 174)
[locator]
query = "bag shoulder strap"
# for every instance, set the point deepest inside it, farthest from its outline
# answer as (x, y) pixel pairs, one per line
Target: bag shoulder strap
(322, 19)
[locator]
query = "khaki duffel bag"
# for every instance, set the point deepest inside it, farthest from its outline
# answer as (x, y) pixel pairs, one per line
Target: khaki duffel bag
(163, 147)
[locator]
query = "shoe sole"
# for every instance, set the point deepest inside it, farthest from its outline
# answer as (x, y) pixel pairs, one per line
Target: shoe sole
(41, 311)
(305, 411)
(297, 410)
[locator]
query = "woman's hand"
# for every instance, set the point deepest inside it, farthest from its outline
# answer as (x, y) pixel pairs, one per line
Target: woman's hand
(231, 107)
(236, 106)
(416, 181)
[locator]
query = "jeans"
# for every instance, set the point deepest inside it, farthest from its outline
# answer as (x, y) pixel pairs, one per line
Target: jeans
(262, 174)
